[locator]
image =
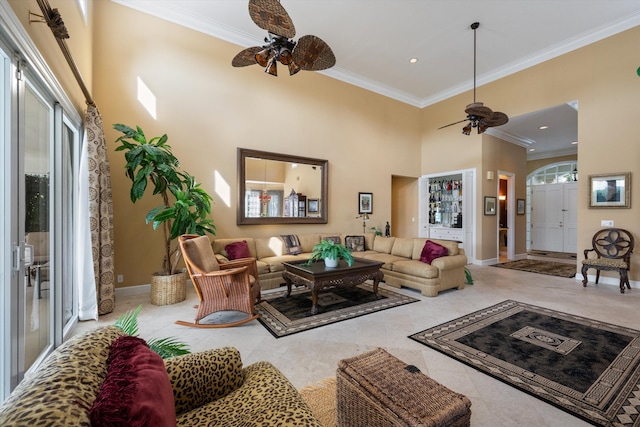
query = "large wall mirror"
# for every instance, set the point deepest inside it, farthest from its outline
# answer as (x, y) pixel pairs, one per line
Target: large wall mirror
(278, 188)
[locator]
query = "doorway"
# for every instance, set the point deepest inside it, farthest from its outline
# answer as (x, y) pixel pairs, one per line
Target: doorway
(552, 197)
(506, 216)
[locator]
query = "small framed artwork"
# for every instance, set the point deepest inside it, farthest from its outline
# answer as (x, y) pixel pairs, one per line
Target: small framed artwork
(313, 206)
(365, 203)
(489, 205)
(520, 206)
(610, 190)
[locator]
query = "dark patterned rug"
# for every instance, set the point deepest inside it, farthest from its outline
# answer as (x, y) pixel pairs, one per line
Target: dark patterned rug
(543, 267)
(588, 368)
(284, 316)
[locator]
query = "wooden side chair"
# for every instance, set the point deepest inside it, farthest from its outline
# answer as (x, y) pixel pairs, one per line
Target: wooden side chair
(232, 285)
(613, 248)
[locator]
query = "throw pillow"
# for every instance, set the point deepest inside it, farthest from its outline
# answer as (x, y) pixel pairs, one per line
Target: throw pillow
(431, 251)
(334, 239)
(237, 250)
(355, 243)
(137, 391)
(292, 244)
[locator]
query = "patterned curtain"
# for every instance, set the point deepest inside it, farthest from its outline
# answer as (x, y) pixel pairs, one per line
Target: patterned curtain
(100, 211)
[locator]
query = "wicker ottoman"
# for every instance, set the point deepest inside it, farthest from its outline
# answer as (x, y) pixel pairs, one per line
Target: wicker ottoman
(377, 389)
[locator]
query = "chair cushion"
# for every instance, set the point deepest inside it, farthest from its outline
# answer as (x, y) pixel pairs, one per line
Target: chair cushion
(402, 247)
(605, 262)
(416, 268)
(355, 243)
(431, 251)
(237, 250)
(137, 390)
(201, 254)
(383, 244)
(292, 244)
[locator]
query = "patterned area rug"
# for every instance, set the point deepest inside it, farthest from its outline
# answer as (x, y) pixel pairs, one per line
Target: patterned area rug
(283, 315)
(588, 368)
(543, 267)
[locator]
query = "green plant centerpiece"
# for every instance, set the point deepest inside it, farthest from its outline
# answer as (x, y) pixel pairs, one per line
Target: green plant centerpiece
(185, 204)
(331, 252)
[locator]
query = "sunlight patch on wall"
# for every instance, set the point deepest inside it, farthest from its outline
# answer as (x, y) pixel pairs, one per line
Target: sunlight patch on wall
(146, 98)
(82, 4)
(222, 189)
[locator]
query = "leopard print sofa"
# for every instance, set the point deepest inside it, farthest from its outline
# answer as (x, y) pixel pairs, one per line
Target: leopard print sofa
(210, 388)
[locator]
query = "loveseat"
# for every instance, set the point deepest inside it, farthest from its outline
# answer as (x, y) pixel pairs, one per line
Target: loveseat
(401, 258)
(209, 388)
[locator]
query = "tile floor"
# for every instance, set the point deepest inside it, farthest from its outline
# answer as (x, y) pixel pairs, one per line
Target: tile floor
(310, 356)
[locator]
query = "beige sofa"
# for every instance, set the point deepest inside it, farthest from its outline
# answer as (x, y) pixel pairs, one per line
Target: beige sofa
(401, 258)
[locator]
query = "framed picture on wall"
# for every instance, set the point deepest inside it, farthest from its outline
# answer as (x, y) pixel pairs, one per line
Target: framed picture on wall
(313, 206)
(489, 205)
(365, 203)
(520, 206)
(610, 190)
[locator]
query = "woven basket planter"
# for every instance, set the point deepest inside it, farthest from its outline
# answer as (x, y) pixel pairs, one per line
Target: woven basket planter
(168, 289)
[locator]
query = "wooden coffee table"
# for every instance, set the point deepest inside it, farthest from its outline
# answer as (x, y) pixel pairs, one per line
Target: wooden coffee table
(317, 277)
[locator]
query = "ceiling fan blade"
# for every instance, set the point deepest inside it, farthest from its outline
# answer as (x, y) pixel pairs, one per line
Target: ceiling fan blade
(496, 119)
(246, 57)
(479, 110)
(271, 16)
(313, 54)
(451, 124)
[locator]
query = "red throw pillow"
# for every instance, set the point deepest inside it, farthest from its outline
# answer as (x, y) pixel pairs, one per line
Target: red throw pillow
(237, 250)
(431, 251)
(137, 391)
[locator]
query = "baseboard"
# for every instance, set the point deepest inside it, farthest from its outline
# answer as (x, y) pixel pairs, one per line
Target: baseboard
(604, 280)
(133, 290)
(489, 261)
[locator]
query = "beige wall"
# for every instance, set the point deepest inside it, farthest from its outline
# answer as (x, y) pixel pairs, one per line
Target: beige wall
(404, 207)
(504, 157)
(602, 77)
(208, 109)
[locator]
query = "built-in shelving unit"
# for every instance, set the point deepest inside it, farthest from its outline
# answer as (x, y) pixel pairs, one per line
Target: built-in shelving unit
(446, 207)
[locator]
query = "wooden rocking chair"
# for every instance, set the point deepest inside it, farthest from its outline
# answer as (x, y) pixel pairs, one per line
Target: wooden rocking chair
(613, 248)
(232, 285)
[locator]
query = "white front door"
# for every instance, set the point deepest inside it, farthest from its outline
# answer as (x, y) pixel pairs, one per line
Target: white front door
(554, 219)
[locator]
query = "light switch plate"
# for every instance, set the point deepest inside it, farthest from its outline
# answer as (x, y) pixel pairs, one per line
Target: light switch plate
(606, 223)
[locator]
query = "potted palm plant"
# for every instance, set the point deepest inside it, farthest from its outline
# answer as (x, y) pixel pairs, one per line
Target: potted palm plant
(331, 252)
(184, 209)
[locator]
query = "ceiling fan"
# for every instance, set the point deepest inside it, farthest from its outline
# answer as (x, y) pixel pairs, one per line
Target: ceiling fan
(478, 115)
(309, 53)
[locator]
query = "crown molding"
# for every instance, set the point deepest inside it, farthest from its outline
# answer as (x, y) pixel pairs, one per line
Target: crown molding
(549, 154)
(168, 11)
(514, 139)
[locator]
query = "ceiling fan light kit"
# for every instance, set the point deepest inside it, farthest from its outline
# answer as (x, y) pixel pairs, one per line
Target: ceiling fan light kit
(309, 53)
(479, 116)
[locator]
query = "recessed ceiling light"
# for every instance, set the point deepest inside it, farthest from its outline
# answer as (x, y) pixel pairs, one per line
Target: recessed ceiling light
(532, 149)
(574, 143)
(413, 60)
(543, 127)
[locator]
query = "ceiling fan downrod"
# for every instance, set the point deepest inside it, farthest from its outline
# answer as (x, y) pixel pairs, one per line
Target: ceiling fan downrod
(474, 27)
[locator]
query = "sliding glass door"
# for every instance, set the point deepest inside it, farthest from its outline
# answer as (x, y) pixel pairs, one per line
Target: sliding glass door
(39, 162)
(35, 130)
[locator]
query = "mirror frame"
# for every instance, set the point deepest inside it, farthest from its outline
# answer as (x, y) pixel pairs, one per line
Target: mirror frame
(244, 153)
